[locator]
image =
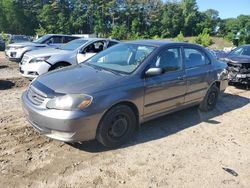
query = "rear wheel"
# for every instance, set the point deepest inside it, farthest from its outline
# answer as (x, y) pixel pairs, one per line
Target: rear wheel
(210, 99)
(117, 126)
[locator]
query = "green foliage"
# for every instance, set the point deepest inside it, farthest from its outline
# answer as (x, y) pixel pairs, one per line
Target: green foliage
(123, 19)
(4, 37)
(119, 32)
(180, 37)
(204, 38)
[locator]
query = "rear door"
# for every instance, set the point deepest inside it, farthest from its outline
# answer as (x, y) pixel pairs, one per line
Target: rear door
(165, 91)
(198, 68)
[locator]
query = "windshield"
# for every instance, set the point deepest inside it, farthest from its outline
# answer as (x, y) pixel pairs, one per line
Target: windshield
(41, 39)
(73, 45)
(122, 57)
(20, 37)
(243, 50)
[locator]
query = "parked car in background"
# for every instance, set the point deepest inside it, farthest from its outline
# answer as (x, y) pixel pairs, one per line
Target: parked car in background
(15, 51)
(239, 65)
(2, 44)
(19, 38)
(38, 62)
(109, 95)
(219, 53)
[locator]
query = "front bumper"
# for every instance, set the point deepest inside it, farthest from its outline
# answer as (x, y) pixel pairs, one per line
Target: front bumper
(239, 78)
(14, 54)
(32, 70)
(67, 126)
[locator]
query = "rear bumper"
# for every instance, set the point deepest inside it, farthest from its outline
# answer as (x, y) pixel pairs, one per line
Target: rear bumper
(67, 126)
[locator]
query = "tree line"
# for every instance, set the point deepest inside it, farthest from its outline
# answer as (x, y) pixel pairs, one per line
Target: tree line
(122, 19)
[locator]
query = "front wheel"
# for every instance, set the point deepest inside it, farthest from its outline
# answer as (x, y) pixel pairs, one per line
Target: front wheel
(210, 99)
(117, 126)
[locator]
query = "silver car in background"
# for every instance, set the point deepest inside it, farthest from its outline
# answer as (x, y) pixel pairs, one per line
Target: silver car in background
(38, 62)
(15, 51)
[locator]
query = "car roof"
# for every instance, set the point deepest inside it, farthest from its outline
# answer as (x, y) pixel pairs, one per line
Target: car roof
(62, 35)
(96, 39)
(159, 43)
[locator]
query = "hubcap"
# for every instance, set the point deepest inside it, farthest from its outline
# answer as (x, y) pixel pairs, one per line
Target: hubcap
(118, 126)
(211, 98)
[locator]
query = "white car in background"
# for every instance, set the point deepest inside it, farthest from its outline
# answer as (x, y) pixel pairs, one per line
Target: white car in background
(15, 51)
(38, 62)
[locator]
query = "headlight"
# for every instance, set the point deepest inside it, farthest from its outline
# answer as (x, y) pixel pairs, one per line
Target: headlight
(70, 102)
(39, 59)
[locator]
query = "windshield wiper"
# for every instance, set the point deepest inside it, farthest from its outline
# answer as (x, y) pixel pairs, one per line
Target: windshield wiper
(103, 68)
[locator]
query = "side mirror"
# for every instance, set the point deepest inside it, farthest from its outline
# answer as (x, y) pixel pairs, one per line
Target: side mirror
(80, 51)
(153, 72)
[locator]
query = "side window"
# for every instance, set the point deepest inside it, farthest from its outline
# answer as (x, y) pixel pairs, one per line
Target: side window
(195, 58)
(95, 47)
(246, 51)
(53, 40)
(169, 60)
(68, 39)
(111, 43)
(57, 39)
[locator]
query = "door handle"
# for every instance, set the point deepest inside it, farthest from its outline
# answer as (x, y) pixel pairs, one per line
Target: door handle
(181, 77)
(209, 71)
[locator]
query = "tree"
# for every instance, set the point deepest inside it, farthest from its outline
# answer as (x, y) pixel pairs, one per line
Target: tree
(204, 38)
(180, 37)
(190, 13)
(172, 21)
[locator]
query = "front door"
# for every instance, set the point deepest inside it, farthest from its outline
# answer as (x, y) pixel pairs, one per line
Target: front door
(166, 91)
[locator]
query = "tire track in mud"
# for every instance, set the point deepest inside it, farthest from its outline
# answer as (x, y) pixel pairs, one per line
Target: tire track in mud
(18, 138)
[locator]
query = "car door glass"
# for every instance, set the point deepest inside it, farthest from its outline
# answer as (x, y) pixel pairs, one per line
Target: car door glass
(112, 43)
(169, 60)
(195, 58)
(57, 40)
(246, 51)
(95, 47)
(68, 39)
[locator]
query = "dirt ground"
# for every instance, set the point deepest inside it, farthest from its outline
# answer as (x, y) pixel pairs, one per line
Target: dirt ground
(185, 149)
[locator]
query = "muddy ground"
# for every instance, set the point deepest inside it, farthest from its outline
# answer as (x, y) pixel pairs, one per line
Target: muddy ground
(185, 149)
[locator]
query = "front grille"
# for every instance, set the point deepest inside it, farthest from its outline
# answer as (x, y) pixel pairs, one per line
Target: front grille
(36, 96)
(25, 59)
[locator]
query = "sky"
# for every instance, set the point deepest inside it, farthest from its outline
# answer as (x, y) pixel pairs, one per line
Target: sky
(226, 8)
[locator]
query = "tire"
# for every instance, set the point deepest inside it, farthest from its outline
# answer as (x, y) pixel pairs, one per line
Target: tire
(117, 126)
(210, 100)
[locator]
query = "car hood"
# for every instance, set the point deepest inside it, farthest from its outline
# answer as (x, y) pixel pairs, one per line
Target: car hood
(47, 52)
(242, 59)
(80, 79)
(23, 44)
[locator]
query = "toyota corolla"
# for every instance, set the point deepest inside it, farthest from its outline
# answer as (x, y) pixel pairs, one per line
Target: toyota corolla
(108, 96)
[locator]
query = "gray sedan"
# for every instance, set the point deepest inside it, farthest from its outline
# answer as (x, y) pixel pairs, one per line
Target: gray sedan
(111, 94)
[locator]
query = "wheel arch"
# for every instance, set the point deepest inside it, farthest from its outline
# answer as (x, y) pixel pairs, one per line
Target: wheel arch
(59, 63)
(127, 103)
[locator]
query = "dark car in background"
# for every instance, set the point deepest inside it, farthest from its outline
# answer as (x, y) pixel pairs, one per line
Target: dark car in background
(109, 95)
(2, 44)
(219, 53)
(239, 65)
(15, 51)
